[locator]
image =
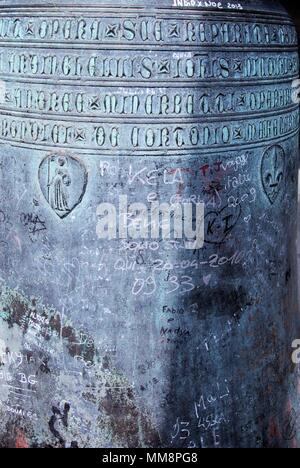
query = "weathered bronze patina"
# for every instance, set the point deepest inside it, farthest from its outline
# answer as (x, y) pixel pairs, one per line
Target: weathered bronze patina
(144, 342)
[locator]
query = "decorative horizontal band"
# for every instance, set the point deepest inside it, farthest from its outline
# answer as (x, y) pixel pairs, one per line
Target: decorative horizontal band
(161, 136)
(149, 66)
(101, 102)
(177, 8)
(182, 153)
(145, 30)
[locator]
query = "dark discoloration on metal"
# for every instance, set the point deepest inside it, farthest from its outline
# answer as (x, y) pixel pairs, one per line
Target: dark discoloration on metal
(112, 398)
(142, 342)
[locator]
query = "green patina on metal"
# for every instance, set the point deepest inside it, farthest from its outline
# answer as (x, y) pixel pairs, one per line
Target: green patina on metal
(137, 340)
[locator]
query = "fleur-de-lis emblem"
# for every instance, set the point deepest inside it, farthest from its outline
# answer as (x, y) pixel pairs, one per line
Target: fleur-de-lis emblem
(273, 172)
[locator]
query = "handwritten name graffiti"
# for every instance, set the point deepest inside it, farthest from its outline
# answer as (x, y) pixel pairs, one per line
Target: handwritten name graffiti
(210, 417)
(219, 5)
(219, 224)
(139, 221)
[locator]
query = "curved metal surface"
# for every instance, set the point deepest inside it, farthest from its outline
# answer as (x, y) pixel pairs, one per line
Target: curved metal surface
(143, 342)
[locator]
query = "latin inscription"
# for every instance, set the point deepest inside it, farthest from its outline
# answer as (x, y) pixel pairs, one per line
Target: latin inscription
(158, 66)
(146, 102)
(145, 30)
(155, 137)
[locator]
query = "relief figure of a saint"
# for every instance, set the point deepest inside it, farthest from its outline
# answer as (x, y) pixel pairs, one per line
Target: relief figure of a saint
(58, 187)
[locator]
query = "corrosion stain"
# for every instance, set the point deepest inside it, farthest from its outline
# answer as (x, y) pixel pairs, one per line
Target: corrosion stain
(237, 300)
(22, 312)
(82, 345)
(63, 417)
(55, 323)
(18, 311)
(21, 441)
(273, 431)
(127, 423)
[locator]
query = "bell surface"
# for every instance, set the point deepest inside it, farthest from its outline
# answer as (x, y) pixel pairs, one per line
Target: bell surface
(149, 166)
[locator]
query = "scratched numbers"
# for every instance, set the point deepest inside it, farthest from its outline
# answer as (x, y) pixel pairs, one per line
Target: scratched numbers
(145, 287)
(234, 6)
(148, 286)
(183, 284)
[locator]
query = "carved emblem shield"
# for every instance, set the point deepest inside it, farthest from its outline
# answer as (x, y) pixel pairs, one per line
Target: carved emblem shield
(273, 172)
(63, 181)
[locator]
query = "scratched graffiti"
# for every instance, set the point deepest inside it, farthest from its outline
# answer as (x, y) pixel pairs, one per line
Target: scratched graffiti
(126, 341)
